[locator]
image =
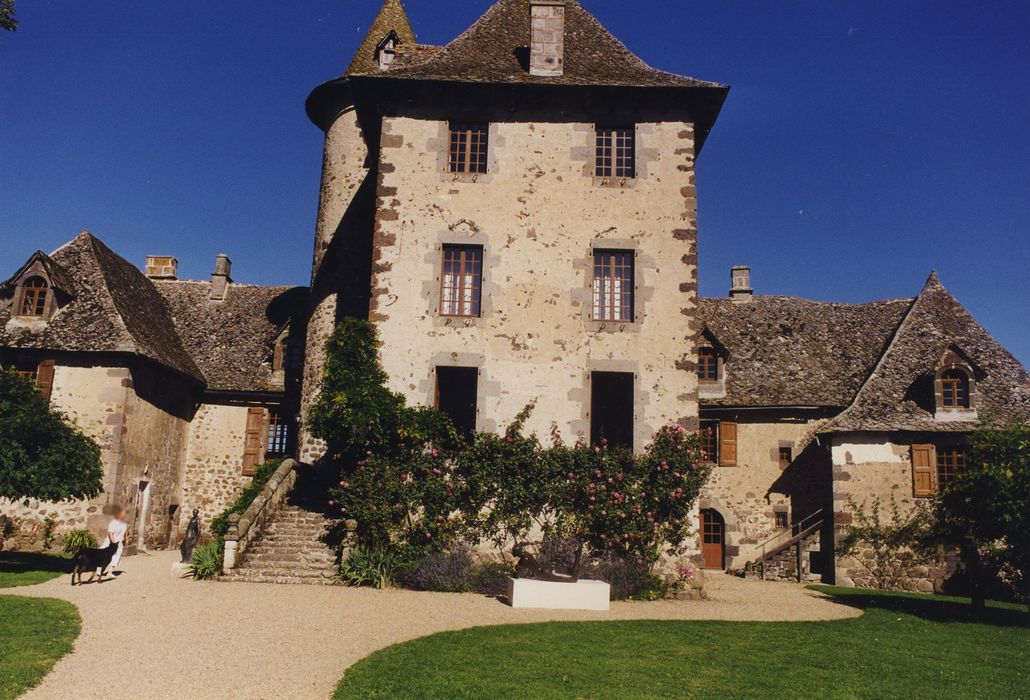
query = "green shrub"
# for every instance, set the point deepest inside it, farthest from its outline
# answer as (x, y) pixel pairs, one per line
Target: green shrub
(263, 472)
(207, 561)
(78, 539)
(49, 528)
(491, 578)
(445, 572)
(378, 567)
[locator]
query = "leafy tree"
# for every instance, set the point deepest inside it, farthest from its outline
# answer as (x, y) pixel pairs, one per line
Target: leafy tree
(985, 510)
(7, 19)
(42, 455)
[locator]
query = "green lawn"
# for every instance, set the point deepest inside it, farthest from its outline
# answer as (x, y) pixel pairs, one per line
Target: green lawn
(904, 645)
(28, 568)
(34, 634)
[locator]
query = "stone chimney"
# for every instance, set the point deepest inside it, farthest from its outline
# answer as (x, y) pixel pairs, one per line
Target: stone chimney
(547, 47)
(162, 267)
(220, 279)
(740, 275)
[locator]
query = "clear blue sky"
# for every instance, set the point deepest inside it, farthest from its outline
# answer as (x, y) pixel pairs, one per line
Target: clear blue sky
(862, 145)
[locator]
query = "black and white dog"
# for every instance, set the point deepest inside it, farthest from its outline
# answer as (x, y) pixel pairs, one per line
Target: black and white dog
(90, 559)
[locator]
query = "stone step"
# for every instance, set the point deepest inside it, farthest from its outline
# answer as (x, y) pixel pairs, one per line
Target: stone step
(264, 578)
(296, 567)
(302, 546)
(294, 558)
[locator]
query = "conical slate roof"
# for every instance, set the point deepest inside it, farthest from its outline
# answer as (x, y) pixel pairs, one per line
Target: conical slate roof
(391, 18)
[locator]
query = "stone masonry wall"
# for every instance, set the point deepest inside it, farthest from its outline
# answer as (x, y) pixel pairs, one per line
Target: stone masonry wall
(214, 462)
(539, 213)
(749, 494)
(341, 227)
(867, 466)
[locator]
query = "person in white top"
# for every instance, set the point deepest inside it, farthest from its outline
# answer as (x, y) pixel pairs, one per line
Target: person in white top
(116, 531)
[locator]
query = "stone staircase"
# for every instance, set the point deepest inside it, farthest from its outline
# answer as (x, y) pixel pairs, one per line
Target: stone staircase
(289, 550)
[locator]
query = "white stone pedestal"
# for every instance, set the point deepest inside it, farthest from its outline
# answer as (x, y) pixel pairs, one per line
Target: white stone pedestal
(556, 595)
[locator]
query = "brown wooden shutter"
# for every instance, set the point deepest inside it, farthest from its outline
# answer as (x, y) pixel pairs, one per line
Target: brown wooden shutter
(253, 446)
(727, 444)
(45, 378)
(924, 460)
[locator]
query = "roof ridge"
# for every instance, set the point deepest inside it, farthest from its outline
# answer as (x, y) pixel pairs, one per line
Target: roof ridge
(91, 241)
(880, 362)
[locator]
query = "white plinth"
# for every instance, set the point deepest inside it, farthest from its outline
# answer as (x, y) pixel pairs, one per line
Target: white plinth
(556, 595)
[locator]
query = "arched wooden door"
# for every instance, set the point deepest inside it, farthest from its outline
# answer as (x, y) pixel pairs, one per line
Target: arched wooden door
(713, 539)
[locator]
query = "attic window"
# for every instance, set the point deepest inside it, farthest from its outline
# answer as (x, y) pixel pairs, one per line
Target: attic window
(33, 297)
(288, 356)
(707, 364)
(954, 389)
(386, 52)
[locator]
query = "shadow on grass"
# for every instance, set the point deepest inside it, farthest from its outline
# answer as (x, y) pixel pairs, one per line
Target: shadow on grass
(930, 607)
(24, 562)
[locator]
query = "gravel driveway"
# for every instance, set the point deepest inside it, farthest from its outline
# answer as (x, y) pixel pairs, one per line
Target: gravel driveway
(150, 634)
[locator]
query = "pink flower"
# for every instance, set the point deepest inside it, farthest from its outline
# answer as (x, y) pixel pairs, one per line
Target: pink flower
(433, 452)
(571, 475)
(330, 502)
(437, 471)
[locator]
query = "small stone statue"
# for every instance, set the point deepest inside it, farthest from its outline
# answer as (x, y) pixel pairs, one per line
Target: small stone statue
(530, 567)
(192, 536)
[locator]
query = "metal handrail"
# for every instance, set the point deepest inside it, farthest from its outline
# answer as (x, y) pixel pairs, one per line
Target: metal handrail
(797, 529)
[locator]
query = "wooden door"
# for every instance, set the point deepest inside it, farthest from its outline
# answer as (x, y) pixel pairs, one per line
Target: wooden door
(713, 539)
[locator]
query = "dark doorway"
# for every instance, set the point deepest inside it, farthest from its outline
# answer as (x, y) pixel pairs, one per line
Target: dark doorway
(456, 391)
(713, 539)
(611, 408)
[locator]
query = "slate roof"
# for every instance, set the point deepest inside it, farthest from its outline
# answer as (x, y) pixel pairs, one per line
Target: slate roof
(115, 309)
(786, 351)
(231, 340)
(224, 345)
(495, 48)
(895, 395)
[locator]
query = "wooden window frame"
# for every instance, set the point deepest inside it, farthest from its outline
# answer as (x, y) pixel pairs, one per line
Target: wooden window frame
(35, 296)
(708, 364)
(950, 462)
(615, 151)
(709, 435)
(613, 298)
(278, 442)
(466, 282)
(468, 148)
(955, 388)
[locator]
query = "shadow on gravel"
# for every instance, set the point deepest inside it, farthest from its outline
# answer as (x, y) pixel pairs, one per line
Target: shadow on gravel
(24, 562)
(927, 607)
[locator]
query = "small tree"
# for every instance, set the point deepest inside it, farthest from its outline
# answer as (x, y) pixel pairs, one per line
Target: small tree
(985, 510)
(397, 476)
(888, 548)
(42, 454)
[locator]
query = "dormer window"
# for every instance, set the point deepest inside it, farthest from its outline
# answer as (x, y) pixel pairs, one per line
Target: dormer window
(34, 293)
(954, 389)
(386, 51)
(707, 365)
